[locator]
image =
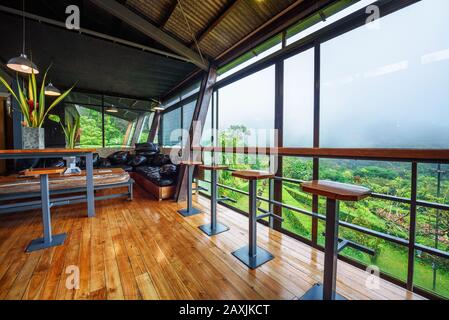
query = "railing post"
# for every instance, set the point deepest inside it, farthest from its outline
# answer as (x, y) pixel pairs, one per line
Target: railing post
(412, 231)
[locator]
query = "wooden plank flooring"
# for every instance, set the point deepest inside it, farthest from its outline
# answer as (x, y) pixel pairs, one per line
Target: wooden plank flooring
(145, 250)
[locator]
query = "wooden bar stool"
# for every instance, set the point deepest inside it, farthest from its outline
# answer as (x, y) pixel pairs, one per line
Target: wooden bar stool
(252, 255)
(334, 192)
(214, 227)
(49, 240)
(190, 211)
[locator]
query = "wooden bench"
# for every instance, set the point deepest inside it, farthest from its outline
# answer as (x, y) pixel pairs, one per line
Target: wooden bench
(27, 186)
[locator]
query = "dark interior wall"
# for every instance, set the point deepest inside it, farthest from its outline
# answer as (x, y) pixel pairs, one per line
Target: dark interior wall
(54, 135)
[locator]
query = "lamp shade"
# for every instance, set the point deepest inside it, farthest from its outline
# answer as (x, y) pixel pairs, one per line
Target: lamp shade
(51, 90)
(112, 109)
(22, 64)
(156, 109)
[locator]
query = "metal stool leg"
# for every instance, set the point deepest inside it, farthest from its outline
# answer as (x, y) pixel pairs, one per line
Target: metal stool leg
(252, 255)
(190, 211)
(214, 227)
(327, 291)
(48, 240)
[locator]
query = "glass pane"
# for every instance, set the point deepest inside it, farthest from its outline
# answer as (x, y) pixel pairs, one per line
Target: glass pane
(128, 103)
(146, 128)
(84, 98)
(246, 111)
(377, 91)
(298, 169)
(433, 183)
(119, 127)
(207, 136)
(390, 258)
(432, 274)
(171, 128)
(432, 228)
(391, 178)
(315, 23)
(91, 126)
(299, 86)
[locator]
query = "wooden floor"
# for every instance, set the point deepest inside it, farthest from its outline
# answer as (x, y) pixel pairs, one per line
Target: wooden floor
(145, 250)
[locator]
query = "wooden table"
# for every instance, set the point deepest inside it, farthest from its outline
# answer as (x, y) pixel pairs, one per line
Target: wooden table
(61, 153)
(334, 192)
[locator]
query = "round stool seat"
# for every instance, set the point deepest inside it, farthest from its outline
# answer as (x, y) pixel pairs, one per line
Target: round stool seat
(253, 175)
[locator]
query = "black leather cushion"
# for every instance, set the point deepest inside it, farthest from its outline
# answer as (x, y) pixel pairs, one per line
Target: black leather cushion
(146, 153)
(161, 160)
(138, 161)
(104, 163)
(147, 147)
(153, 174)
(119, 158)
(23, 164)
(169, 171)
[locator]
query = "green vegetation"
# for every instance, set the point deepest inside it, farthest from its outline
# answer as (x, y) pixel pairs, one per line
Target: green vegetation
(91, 125)
(376, 214)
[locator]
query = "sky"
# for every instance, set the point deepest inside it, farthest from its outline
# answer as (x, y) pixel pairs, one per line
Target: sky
(383, 87)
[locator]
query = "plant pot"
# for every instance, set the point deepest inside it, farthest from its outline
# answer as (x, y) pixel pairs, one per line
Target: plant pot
(33, 138)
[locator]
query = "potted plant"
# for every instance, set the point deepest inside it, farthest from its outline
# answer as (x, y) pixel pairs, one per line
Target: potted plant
(33, 108)
(72, 132)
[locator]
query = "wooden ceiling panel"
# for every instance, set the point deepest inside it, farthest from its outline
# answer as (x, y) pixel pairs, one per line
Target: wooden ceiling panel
(154, 10)
(199, 14)
(239, 18)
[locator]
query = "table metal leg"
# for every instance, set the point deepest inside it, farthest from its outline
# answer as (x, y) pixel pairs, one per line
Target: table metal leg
(252, 255)
(327, 291)
(90, 185)
(214, 227)
(190, 211)
(48, 240)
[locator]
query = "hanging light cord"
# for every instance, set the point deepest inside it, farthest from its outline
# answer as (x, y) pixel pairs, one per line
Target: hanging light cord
(191, 32)
(23, 26)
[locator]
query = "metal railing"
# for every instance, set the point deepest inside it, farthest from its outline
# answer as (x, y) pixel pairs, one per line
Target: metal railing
(409, 243)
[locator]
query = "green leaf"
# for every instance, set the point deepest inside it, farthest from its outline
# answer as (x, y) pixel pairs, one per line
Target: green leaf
(24, 105)
(54, 118)
(54, 104)
(41, 110)
(8, 87)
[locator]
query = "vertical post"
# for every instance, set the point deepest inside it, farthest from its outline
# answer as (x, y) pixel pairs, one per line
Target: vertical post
(331, 250)
(189, 187)
(316, 135)
(279, 126)
(252, 218)
(103, 136)
(90, 185)
(46, 216)
(412, 231)
(213, 200)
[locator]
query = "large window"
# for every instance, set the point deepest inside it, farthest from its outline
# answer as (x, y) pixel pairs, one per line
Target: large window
(246, 111)
(385, 84)
(125, 121)
(299, 86)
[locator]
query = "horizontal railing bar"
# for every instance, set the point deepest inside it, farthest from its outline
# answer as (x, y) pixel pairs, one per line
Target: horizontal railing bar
(408, 155)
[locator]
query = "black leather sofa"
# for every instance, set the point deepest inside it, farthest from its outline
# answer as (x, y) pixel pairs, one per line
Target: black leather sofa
(147, 166)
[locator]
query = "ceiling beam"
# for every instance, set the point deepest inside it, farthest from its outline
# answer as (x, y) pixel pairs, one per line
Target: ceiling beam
(139, 23)
(220, 17)
(169, 13)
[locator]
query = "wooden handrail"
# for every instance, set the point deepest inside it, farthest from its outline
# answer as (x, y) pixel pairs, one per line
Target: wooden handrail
(420, 155)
